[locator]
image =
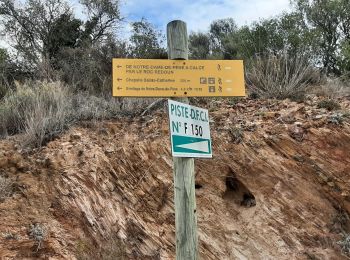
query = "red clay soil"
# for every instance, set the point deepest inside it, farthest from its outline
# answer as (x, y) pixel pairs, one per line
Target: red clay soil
(278, 187)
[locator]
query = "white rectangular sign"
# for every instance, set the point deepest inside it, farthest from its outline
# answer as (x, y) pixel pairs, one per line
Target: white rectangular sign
(189, 130)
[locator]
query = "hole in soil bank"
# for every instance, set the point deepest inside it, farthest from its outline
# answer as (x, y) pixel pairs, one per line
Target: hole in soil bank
(198, 186)
(238, 192)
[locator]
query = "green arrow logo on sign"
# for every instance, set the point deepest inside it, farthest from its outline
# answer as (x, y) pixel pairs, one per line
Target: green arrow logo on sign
(184, 144)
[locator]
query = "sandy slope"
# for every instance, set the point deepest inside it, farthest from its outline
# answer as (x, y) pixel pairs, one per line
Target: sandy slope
(104, 191)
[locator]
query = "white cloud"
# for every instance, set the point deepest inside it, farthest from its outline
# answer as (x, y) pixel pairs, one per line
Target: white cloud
(198, 14)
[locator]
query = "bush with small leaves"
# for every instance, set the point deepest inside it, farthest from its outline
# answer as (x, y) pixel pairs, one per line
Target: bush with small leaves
(236, 134)
(328, 104)
(5, 188)
(9, 236)
(38, 233)
(345, 244)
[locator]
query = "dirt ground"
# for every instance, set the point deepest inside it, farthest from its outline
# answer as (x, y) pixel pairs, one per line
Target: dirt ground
(103, 190)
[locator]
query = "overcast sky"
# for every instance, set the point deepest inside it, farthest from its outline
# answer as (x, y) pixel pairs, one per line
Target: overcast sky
(198, 14)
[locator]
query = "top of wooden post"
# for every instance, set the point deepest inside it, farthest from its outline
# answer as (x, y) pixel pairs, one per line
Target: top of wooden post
(177, 40)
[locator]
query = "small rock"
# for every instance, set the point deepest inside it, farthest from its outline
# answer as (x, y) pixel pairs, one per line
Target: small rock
(331, 184)
(38, 161)
(3, 162)
(270, 115)
(14, 159)
(240, 105)
(296, 133)
(345, 194)
(75, 136)
(286, 119)
(318, 117)
(109, 150)
(103, 131)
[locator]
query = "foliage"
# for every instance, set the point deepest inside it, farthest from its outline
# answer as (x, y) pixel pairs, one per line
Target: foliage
(328, 104)
(113, 249)
(287, 33)
(50, 116)
(345, 244)
(40, 29)
(330, 23)
(38, 233)
(344, 60)
(104, 17)
(319, 29)
(64, 32)
(30, 26)
(199, 46)
(13, 109)
(3, 73)
(90, 68)
(146, 41)
(236, 133)
(5, 188)
(218, 31)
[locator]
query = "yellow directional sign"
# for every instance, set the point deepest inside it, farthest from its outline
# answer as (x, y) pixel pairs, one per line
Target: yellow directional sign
(178, 78)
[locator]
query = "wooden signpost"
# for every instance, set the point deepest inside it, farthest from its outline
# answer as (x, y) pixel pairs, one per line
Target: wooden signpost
(184, 181)
(190, 134)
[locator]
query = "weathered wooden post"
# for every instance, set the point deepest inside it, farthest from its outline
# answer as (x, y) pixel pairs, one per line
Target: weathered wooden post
(189, 125)
(184, 181)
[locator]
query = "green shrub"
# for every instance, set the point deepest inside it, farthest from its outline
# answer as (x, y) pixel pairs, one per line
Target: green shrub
(112, 249)
(38, 233)
(5, 188)
(236, 133)
(280, 76)
(345, 244)
(89, 68)
(328, 104)
(3, 90)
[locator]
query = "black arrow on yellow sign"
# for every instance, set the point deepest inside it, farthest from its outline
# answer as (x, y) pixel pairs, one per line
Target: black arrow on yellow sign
(119, 66)
(119, 79)
(119, 88)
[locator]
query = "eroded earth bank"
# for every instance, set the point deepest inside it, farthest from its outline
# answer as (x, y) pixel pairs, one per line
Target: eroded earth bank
(278, 187)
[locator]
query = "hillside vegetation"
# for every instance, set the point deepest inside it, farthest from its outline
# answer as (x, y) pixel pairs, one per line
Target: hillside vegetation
(60, 63)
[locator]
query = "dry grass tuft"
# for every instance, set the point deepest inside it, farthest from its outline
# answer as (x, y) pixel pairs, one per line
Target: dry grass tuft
(43, 110)
(332, 88)
(280, 76)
